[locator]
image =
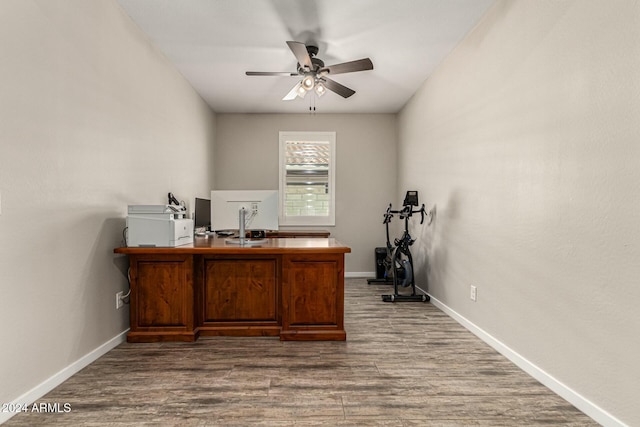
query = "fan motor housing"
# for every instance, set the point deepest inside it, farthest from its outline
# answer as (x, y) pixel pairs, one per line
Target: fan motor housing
(316, 62)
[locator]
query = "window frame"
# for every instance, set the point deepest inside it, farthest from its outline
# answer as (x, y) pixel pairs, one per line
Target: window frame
(305, 220)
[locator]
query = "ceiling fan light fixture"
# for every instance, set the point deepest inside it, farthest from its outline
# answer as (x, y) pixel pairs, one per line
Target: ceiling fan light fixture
(301, 91)
(320, 89)
(308, 82)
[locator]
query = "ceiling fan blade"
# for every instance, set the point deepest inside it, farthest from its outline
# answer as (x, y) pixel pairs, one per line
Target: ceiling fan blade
(270, 73)
(336, 87)
(350, 67)
(293, 93)
(300, 51)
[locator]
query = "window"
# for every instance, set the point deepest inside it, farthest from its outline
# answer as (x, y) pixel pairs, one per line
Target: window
(307, 178)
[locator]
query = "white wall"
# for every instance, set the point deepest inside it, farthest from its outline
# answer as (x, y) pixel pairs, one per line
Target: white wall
(91, 119)
(526, 139)
(247, 158)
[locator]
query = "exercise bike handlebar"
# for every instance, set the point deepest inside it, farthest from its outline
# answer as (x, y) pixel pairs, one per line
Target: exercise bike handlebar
(407, 212)
(388, 215)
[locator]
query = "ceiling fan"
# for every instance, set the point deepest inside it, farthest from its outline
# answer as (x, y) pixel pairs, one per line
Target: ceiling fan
(314, 73)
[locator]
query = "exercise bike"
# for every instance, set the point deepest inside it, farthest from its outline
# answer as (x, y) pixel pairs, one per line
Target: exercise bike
(401, 259)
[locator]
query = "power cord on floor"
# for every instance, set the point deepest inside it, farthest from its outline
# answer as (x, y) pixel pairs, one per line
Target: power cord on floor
(125, 297)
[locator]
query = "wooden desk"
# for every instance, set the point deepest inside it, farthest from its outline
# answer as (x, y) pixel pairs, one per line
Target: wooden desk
(287, 287)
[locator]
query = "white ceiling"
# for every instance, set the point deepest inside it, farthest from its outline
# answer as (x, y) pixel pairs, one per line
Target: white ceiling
(213, 42)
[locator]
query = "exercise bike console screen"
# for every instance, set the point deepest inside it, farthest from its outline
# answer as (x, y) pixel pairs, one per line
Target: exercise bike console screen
(411, 199)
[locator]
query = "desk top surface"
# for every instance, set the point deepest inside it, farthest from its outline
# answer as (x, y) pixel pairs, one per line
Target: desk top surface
(217, 245)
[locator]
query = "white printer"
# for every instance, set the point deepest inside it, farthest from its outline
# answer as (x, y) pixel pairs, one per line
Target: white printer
(158, 225)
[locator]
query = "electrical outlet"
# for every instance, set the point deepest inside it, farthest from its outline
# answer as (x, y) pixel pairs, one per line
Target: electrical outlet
(119, 302)
(254, 208)
(474, 293)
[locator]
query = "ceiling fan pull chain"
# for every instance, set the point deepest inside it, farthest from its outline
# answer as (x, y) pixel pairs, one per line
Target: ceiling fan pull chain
(312, 101)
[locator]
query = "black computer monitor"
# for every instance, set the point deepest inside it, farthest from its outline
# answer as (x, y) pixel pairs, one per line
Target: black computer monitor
(202, 214)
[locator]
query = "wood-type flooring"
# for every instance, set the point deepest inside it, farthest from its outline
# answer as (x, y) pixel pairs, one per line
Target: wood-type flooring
(403, 364)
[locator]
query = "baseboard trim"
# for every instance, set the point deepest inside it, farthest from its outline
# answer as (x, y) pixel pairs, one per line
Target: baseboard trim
(49, 384)
(357, 275)
(583, 404)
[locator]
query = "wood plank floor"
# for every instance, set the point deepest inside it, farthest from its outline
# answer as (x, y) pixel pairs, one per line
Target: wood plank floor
(403, 364)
